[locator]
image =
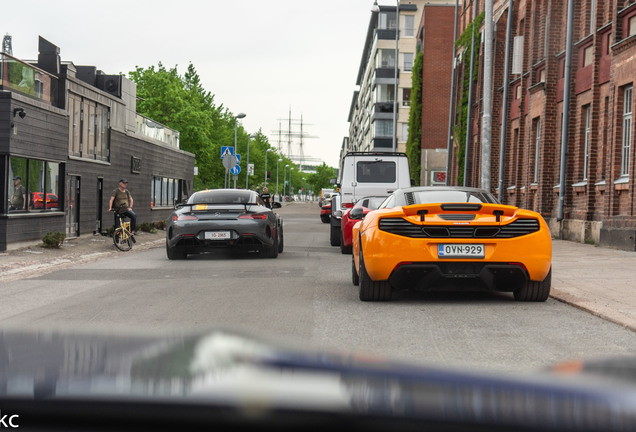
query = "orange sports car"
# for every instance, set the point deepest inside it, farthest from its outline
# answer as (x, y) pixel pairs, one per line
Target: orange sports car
(426, 238)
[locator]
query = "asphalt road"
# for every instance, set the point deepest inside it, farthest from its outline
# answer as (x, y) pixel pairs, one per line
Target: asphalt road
(306, 296)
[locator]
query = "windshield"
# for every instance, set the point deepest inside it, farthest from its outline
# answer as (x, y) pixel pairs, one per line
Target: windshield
(221, 197)
(429, 197)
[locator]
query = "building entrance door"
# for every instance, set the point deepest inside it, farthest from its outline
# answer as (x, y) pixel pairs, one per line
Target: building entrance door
(72, 206)
(99, 219)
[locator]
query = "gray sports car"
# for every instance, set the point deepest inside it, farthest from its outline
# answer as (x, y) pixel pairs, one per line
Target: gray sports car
(224, 218)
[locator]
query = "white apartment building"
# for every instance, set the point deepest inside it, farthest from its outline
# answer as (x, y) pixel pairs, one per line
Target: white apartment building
(371, 115)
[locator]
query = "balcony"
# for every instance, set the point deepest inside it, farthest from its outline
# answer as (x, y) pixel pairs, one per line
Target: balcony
(384, 107)
(157, 131)
(23, 78)
(385, 34)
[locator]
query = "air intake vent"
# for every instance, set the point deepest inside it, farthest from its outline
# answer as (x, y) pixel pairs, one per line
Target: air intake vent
(457, 217)
(410, 200)
(519, 227)
(402, 227)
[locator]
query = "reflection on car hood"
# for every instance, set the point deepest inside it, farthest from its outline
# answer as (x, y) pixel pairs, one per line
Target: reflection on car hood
(221, 368)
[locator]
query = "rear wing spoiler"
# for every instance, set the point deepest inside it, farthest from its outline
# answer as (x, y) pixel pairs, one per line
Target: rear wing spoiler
(204, 206)
(497, 210)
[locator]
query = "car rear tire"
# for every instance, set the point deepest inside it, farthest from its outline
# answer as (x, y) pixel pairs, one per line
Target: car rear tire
(334, 235)
(272, 251)
(281, 238)
(535, 291)
(344, 249)
(371, 290)
(354, 272)
(175, 254)
(324, 218)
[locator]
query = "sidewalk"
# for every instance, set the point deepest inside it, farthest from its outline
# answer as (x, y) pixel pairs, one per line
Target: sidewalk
(31, 259)
(598, 280)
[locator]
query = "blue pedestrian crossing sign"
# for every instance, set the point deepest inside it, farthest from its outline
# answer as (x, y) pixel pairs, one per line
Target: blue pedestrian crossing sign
(227, 151)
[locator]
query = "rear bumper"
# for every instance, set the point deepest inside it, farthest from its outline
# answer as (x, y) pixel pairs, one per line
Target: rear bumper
(428, 276)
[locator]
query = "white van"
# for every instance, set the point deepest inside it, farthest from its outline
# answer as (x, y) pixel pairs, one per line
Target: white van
(366, 174)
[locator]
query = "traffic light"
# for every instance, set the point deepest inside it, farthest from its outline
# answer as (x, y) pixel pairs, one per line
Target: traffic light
(268, 177)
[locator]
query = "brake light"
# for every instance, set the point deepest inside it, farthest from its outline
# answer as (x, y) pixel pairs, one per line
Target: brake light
(258, 216)
(520, 265)
(347, 205)
(183, 217)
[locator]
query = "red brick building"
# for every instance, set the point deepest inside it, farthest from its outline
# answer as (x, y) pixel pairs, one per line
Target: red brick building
(435, 42)
(598, 201)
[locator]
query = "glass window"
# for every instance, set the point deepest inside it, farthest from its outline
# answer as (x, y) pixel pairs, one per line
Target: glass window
(52, 185)
(406, 97)
(385, 58)
(627, 129)
(409, 25)
(537, 141)
(588, 55)
(35, 185)
(586, 147)
(405, 131)
(632, 26)
(408, 61)
(375, 172)
(384, 93)
(386, 20)
(383, 128)
(17, 191)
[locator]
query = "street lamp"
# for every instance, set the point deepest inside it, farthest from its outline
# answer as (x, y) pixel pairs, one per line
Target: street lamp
(291, 190)
(285, 180)
(279, 160)
(247, 164)
(266, 151)
(238, 116)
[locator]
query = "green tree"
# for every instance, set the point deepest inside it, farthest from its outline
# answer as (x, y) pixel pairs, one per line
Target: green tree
(181, 103)
(414, 142)
(320, 179)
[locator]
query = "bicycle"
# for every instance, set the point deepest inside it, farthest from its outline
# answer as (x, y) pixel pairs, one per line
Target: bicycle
(122, 236)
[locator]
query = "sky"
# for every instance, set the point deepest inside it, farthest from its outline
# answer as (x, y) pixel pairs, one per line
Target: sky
(261, 58)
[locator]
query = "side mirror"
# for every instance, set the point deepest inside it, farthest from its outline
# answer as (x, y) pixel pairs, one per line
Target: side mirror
(276, 205)
(356, 213)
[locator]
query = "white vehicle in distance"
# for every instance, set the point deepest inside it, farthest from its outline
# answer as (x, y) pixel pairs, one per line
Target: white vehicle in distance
(366, 174)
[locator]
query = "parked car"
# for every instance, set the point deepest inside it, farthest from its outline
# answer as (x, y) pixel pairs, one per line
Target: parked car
(425, 238)
(362, 207)
(325, 211)
(37, 200)
(224, 218)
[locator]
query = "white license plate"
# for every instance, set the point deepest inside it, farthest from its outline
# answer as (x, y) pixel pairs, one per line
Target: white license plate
(217, 235)
(460, 251)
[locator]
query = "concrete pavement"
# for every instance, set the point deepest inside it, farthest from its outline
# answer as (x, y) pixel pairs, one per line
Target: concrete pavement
(598, 280)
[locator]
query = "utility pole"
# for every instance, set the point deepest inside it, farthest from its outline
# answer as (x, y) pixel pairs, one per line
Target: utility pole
(486, 130)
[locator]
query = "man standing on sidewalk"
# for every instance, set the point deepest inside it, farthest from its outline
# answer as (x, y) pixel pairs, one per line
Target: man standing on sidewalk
(122, 196)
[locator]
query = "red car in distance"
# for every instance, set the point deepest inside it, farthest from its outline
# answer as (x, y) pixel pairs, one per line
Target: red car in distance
(367, 204)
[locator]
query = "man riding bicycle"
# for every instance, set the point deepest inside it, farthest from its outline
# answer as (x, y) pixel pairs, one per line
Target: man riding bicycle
(121, 202)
